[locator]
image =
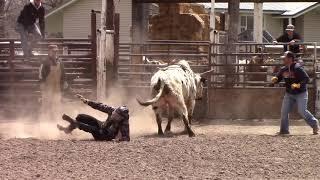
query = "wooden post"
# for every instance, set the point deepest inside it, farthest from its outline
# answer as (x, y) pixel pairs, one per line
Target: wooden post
(116, 45)
(233, 11)
(110, 14)
(139, 31)
(94, 32)
(289, 21)
(94, 44)
(11, 65)
(211, 51)
(316, 83)
(2, 19)
(105, 50)
(258, 22)
(212, 21)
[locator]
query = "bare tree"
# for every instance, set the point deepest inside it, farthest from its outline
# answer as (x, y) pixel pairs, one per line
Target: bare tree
(233, 10)
(53, 3)
(2, 18)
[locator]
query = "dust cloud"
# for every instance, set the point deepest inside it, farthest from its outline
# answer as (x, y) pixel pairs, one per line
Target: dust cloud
(142, 119)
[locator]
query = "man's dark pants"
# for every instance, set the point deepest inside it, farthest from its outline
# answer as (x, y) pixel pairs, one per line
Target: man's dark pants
(27, 43)
(92, 125)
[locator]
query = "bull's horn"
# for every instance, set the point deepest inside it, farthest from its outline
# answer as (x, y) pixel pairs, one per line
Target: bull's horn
(207, 72)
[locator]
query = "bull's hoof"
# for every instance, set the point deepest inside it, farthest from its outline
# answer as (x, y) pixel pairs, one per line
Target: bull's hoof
(185, 131)
(160, 133)
(168, 130)
(191, 134)
(168, 133)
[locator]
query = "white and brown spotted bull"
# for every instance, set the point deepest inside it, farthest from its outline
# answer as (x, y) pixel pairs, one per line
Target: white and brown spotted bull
(175, 88)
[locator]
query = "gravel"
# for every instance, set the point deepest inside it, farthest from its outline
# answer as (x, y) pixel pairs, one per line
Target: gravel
(216, 152)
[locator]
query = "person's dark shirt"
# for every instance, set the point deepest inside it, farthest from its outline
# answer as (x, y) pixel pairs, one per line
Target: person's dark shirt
(29, 15)
(286, 39)
(294, 74)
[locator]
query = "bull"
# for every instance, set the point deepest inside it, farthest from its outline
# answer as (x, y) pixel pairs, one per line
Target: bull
(175, 88)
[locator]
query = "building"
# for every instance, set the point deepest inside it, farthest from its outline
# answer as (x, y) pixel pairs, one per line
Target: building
(72, 19)
(304, 15)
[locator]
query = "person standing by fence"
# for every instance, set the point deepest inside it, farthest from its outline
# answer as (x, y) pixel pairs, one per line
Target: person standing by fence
(291, 37)
(27, 26)
(53, 81)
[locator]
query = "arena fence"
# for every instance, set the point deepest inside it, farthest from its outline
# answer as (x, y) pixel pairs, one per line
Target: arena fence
(239, 86)
(19, 82)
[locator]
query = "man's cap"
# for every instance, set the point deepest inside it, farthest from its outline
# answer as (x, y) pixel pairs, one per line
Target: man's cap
(53, 47)
(288, 54)
(290, 27)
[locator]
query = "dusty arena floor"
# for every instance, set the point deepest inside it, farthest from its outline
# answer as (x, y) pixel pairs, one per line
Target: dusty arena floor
(233, 150)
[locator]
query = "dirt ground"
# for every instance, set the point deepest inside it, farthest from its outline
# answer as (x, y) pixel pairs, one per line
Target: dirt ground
(221, 150)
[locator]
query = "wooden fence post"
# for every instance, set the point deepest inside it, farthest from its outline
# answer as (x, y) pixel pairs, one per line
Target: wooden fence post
(11, 65)
(94, 47)
(116, 45)
(105, 50)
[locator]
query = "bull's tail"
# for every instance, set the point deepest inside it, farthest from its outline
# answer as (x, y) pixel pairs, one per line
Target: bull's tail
(156, 98)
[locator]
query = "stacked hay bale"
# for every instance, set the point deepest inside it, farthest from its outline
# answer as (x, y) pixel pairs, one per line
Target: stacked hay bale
(181, 21)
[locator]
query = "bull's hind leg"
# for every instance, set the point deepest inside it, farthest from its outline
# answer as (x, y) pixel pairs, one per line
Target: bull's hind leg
(187, 126)
(191, 105)
(159, 119)
(170, 118)
(181, 107)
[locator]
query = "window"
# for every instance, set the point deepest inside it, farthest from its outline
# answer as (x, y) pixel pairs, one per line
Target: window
(246, 23)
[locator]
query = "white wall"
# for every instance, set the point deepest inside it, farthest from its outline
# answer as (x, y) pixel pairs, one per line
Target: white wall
(273, 25)
(124, 7)
(77, 20)
(312, 26)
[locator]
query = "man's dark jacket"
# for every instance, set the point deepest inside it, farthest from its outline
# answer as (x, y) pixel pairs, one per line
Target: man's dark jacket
(294, 74)
(286, 39)
(29, 15)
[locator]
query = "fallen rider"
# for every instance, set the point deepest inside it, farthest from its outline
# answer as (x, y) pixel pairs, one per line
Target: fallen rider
(116, 125)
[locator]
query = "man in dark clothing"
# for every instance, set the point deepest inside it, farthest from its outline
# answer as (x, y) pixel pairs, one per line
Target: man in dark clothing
(296, 80)
(117, 124)
(27, 25)
(290, 37)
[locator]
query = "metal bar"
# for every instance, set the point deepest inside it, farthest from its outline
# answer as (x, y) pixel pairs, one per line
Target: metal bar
(315, 94)
(176, 41)
(217, 1)
(193, 55)
(157, 44)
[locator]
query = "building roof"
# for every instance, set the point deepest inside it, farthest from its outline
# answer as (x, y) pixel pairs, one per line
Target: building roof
(282, 9)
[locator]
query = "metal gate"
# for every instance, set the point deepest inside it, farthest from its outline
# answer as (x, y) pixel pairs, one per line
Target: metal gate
(238, 88)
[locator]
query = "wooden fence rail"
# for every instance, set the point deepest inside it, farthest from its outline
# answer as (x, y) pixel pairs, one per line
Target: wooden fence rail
(19, 84)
